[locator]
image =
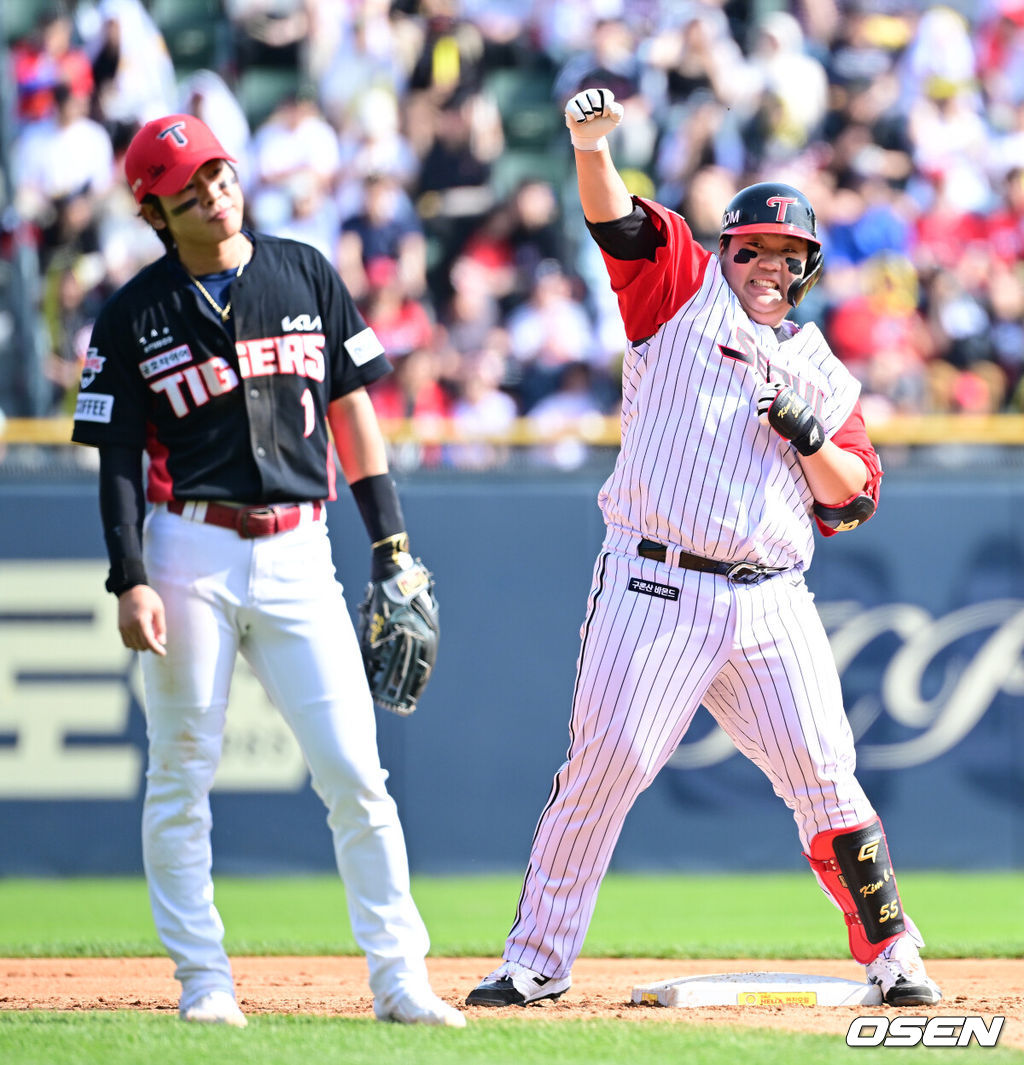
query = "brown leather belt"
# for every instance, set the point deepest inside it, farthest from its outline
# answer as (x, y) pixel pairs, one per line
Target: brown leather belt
(248, 522)
(740, 572)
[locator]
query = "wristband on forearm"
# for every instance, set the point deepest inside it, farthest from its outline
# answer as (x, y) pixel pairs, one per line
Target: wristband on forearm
(381, 511)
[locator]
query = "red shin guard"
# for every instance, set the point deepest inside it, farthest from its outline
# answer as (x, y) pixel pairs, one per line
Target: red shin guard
(853, 866)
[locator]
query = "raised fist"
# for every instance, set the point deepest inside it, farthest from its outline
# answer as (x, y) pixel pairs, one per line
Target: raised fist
(589, 116)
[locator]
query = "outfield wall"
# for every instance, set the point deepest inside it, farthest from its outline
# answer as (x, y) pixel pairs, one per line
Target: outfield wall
(925, 607)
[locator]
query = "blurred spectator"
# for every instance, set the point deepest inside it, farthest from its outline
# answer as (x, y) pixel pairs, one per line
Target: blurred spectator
(881, 335)
(794, 89)
(515, 237)
(904, 125)
(312, 216)
(944, 229)
(364, 57)
(295, 151)
(703, 202)
(1005, 303)
(373, 143)
(949, 141)
(957, 312)
(401, 323)
(871, 221)
(552, 328)
(384, 229)
(482, 408)
(205, 94)
(939, 58)
(63, 167)
(472, 309)
(708, 88)
(414, 394)
(451, 56)
(562, 416)
(1004, 225)
(454, 191)
(45, 59)
(270, 33)
(71, 301)
(134, 74)
(612, 61)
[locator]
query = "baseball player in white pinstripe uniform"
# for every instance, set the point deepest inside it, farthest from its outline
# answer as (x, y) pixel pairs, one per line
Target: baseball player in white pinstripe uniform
(740, 432)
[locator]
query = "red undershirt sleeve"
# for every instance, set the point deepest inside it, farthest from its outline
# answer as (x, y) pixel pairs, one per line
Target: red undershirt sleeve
(650, 293)
(852, 436)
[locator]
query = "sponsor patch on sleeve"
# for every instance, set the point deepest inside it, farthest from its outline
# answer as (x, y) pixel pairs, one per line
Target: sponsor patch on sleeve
(659, 591)
(94, 407)
(364, 346)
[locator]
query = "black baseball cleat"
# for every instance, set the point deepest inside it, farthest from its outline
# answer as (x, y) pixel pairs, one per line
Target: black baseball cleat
(512, 984)
(899, 973)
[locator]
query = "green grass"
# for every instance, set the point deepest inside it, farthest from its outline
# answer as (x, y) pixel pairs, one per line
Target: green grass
(127, 1038)
(768, 916)
(765, 916)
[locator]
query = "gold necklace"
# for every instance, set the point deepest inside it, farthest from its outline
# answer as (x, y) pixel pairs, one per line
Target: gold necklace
(224, 311)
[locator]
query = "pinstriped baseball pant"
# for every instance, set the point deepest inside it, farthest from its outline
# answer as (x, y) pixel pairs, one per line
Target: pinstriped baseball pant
(756, 656)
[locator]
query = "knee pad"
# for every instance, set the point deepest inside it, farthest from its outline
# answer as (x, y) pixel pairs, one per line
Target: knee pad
(853, 866)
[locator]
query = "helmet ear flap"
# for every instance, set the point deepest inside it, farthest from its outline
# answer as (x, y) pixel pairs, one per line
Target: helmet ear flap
(812, 275)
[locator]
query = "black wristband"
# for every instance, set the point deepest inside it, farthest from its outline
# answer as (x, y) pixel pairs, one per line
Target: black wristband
(379, 506)
(381, 511)
(124, 574)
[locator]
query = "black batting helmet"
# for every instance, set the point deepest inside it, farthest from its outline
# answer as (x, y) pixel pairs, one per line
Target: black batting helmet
(773, 207)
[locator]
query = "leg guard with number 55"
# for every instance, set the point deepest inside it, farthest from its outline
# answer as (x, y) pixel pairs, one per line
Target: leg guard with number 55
(853, 866)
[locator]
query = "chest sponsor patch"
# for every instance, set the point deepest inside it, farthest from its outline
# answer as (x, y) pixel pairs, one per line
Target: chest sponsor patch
(659, 591)
(94, 407)
(168, 360)
(364, 346)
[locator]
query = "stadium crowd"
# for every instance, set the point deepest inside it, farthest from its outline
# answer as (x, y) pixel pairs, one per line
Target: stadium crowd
(419, 145)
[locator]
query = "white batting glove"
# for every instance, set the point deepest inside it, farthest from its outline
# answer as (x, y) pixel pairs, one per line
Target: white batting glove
(589, 116)
(765, 398)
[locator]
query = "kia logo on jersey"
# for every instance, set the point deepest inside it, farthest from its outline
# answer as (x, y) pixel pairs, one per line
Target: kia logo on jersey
(301, 322)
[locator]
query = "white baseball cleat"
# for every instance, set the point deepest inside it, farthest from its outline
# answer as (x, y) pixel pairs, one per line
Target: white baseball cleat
(422, 1008)
(899, 973)
(512, 984)
(215, 1007)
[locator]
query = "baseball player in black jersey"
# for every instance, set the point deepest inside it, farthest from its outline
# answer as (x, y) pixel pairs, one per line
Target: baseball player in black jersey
(740, 432)
(232, 363)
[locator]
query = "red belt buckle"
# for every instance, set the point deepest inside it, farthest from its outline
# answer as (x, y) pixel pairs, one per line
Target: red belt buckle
(261, 521)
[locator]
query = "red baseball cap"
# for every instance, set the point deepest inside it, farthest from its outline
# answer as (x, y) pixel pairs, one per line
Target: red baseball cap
(166, 152)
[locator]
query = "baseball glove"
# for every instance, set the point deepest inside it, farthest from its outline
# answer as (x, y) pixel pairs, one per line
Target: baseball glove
(398, 634)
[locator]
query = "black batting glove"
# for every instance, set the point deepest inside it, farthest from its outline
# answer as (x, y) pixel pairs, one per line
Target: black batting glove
(779, 407)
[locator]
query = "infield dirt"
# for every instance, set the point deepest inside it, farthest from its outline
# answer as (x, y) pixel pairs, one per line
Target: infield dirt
(336, 986)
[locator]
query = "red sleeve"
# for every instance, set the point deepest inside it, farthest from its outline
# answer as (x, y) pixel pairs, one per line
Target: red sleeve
(852, 436)
(651, 292)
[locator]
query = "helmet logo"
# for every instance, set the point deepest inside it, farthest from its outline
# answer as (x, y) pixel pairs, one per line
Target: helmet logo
(780, 203)
(175, 133)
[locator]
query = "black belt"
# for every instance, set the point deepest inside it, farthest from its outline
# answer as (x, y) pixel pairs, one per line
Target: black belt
(740, 572)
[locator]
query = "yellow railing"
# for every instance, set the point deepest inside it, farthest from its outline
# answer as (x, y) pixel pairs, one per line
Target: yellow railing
(910, 430)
